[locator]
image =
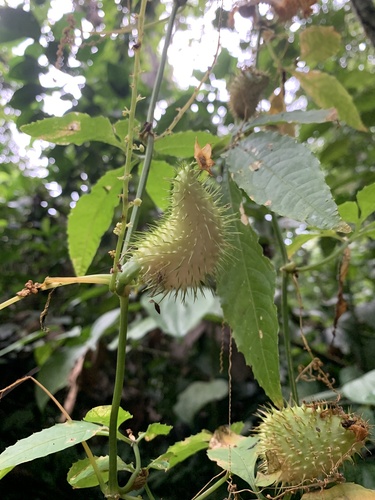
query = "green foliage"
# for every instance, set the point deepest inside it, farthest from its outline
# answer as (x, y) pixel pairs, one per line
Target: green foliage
(90, 219)
(247, 299)
(178, 354)
(74, 128)
(283, 175)
(51, 440)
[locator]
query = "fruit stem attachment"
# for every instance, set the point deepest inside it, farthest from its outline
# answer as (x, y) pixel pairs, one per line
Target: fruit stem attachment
(284, 310)
(130, 271)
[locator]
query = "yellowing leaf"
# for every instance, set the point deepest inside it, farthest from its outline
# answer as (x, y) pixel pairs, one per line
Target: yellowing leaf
(327, 91)
(318, 43)
(342, 492)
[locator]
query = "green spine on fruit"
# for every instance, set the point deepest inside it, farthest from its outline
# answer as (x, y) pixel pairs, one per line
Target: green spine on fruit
(245, 92)
(306, 444)
(187, 247)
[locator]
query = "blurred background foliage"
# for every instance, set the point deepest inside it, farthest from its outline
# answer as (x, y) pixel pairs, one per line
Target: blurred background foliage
(41, 182)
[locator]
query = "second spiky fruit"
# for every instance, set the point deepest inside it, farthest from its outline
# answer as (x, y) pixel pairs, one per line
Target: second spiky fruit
(245, 92)
(308, 443)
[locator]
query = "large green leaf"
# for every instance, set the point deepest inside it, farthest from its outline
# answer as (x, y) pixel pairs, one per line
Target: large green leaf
(246, 288)
(239, 460)
(284, 175)
(318, 43)
(181, 144)
(74, 128)
(327, 91)
(90, 219)
(48, 441)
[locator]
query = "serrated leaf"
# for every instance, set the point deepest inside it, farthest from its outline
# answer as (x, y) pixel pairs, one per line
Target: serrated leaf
(246, 290)
(102, 414)
(48, 441)
(157, 429)
(239, 460)
(90, 219)
(159, 183)
(306, 117)
(282, 174)
(181, 144)
(73, 128)
(318, 43)
(197, 395)
(182, 450)
(327, 91)
(82, 475)
(366, 201)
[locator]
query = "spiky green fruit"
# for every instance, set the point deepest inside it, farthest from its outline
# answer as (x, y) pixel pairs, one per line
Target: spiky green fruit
(187, 247)
(304, 444)
(245, 92)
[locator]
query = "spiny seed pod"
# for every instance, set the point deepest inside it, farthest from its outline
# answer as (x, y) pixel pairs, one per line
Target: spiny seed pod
(308, 443)
(188, 246)
(245, 91)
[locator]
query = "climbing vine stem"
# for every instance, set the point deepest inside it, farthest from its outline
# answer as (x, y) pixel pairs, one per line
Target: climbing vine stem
(129, 141)
(148, 132)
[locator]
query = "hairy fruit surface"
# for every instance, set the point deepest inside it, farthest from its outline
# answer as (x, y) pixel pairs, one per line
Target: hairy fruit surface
(188, 245)
(307, 444)
(245, 92)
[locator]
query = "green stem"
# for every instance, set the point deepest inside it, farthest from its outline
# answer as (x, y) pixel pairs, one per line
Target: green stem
(212, 488)
(117, 393)
(284, 310)
(150, 118)
(129, 144)
(149, 494)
